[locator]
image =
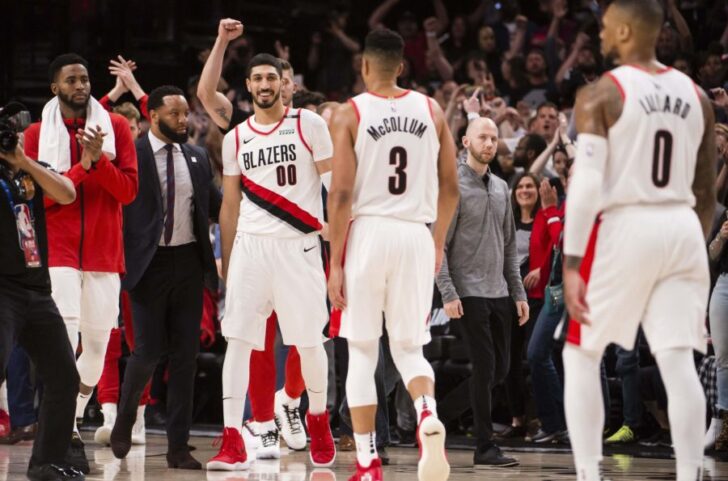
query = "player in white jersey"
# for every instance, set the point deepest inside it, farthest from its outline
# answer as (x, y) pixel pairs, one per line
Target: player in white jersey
(269, 222)
(393, 173)
(646, 161)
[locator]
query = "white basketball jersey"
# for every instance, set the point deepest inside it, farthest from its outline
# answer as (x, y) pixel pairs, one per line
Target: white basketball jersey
(280, 183)
(397, 149)
(653, 146)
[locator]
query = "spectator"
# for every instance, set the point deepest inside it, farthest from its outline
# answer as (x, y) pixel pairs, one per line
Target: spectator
(123, 70)
(307, 100)
(415, 41)
(340, 48)
(548, 390)
(547, 121)
(525, 203)
(528, 149)
(482, 294)
(711, 72)
(86, 254)
(438, 68)
(718, 314)
(540, 86)
(581, 67)
(628, 369)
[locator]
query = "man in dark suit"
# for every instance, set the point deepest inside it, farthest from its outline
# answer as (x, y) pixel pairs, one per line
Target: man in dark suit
(168, 258)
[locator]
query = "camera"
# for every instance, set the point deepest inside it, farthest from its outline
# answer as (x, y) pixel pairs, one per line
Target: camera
(14, 118)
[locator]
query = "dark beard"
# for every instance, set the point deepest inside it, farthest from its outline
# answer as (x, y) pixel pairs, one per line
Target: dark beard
(75, 106)
(261, 105)
(171, 134)
(481, 159)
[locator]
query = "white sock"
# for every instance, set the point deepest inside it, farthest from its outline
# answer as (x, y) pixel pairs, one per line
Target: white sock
(315, 371)
(81, 403)
(366, 448)
(584, 409)
(425, 403)
(4, 396)
(267, 426)
(685, 404)
(235, 376)
(288, 400)
(140, 412)
(109, 412)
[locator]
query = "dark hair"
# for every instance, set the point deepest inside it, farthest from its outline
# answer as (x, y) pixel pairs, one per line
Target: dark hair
(156, 98)
(547, 104)
(514, 203)
(646, 12)
(305, 97)
(536, 143)
(264, 59)
(61, 61)
(386, 45)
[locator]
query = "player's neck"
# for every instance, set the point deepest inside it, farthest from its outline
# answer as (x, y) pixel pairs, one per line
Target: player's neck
(479, 168)
(385, 88)
(270, 115)
(645, 59)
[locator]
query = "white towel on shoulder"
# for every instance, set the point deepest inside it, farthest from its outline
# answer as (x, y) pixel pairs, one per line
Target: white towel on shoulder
(54, 145)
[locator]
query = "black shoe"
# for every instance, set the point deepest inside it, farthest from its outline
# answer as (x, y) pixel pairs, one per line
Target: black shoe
(54, 472)
(76, 455)
(120, 439)
(182, 460)
(511, 432)
(25, 433)
(154, 416)
(383, 455)
(542, 437)
(406, 438)
(661, 438)
(492, 457)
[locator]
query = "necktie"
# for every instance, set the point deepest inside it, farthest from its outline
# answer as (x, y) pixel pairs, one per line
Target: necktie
(169, 217)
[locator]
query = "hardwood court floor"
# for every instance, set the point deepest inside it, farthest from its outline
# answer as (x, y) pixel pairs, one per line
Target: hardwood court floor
(148, 463)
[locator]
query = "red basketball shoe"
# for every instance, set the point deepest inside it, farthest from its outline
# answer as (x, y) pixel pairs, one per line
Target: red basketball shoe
(322, 448)
(232, 456)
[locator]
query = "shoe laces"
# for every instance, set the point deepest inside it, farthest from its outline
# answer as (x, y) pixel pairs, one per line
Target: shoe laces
(269, 438)
(294, 419)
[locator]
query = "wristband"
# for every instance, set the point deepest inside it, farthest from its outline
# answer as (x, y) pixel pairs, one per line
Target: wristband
(472, 116)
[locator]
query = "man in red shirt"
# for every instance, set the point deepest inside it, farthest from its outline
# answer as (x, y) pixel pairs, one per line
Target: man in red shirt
(94, 149)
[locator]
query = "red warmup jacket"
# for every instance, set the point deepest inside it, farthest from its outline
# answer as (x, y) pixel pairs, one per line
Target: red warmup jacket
(87, 234)
(545, 233)
(106, 103)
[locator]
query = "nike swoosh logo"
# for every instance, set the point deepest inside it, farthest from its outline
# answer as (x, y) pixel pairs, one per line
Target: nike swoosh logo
(309, 249)
(436, 433)
(245, 141)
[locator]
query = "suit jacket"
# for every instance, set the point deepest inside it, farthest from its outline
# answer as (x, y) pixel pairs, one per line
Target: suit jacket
(144, 218)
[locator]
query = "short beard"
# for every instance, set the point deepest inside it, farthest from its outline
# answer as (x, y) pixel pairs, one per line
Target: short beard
(75, 106)
(268, 105)
(481, 159)
(171, 134)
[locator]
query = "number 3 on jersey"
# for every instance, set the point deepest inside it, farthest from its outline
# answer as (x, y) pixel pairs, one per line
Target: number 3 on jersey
(662, 158)
(398, 181)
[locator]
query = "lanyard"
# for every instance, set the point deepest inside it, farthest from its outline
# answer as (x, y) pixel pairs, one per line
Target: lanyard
(9, 195)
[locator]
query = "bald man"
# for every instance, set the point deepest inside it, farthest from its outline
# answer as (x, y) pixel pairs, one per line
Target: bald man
(646, 161)
(479, 279)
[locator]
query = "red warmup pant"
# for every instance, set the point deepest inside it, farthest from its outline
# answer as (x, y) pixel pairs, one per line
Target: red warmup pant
(107, 390)
(262, 388)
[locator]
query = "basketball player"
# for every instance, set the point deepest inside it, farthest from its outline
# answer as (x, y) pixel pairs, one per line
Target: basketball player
(394, 173)
(646, 160)
(270, 409)
(272, 254)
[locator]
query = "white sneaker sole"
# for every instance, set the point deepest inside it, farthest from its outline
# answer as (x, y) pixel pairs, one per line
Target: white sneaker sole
(268, 453)
(433, 465)
(103, 435)
(220, 466)
(322, 465)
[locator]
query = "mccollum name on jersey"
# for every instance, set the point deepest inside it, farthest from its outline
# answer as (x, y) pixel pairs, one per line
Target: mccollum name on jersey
(397, 124)
(657, 102)
(276, 154)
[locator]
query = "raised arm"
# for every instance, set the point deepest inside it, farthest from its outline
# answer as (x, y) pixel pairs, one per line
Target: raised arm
(376, 19)
(683, 30)
(704, 182)
(217, 106)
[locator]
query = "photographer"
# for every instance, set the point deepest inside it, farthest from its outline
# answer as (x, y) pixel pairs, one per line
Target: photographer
(27, 311)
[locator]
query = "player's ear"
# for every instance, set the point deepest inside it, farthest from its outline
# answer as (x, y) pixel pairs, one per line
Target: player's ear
(466, 141)
(400, 69)
(54, 88)
(247, 84)
(624, 32)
